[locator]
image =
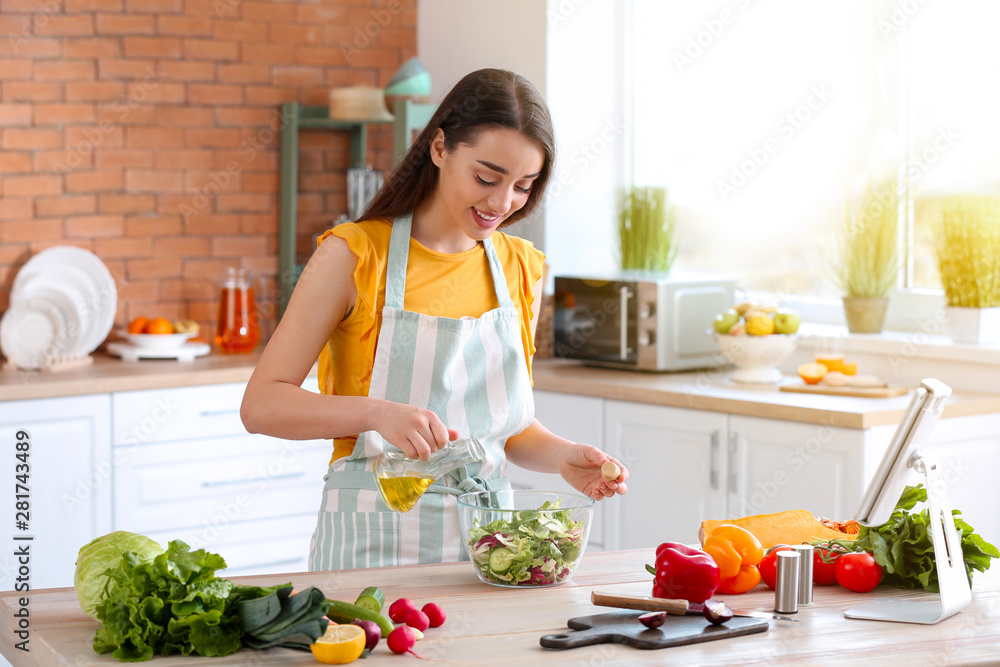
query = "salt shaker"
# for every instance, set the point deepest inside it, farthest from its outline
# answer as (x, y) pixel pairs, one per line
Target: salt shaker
(805, 552)
(786, 588)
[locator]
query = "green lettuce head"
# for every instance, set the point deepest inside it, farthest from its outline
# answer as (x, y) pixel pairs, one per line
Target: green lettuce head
(103, 554)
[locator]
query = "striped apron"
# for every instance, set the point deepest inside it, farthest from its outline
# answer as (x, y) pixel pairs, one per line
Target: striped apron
(472, 373)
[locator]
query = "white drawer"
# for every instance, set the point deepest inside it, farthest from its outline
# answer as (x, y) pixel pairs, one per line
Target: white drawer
(253, 547)
(216, 482)
(160, 415)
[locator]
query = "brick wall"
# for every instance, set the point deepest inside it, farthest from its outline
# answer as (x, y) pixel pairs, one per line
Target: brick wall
(143, 130)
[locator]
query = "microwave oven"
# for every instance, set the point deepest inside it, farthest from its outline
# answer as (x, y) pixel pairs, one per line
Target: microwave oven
(639, 320)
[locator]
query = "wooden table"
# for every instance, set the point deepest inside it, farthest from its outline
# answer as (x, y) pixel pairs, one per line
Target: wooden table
(494, 626)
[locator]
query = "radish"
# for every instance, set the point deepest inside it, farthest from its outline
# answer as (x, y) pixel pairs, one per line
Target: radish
(401, 640)
(417, 619)
(399, 609)
(435, 614)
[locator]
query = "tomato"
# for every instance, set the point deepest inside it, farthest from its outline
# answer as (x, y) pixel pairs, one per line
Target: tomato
(858, 572)
(769, 567)
(824, 574)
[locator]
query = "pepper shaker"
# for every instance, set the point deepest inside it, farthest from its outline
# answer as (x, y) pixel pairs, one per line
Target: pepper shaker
(805, 552)
(786, 588)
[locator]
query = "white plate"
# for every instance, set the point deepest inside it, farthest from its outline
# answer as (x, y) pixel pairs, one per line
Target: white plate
(68, 298)
(90, 275)
(158, 341)
(32, 331)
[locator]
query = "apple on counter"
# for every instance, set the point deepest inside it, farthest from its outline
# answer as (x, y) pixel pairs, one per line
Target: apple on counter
(756, 320)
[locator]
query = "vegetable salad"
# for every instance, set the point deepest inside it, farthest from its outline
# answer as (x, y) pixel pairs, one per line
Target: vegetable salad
(530, 548)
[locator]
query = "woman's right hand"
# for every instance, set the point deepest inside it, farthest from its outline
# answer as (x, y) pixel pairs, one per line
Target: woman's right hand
(417, 431)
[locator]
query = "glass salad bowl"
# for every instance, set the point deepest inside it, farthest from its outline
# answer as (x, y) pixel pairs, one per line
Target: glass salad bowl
(520, 539)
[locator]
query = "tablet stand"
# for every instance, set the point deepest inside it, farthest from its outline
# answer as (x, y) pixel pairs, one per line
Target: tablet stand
(953, 579)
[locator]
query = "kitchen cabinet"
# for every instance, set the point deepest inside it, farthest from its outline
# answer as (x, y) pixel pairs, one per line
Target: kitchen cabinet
(776, 465)
(168, 463)
(185, 468)
(677, 472)
(68, 484)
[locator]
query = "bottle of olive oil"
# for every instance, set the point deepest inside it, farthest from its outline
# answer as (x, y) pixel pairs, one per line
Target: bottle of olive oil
(401, 481)
(401, 493)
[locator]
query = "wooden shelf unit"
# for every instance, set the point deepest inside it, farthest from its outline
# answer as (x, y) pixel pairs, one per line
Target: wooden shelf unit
(409, 117)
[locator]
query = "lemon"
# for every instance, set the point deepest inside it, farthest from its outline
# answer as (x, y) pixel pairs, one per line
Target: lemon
(339, 645)
(760, 325)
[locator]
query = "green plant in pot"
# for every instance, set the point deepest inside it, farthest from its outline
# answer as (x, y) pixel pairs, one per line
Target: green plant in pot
(868, 260)
(967, 245)
(647, 229)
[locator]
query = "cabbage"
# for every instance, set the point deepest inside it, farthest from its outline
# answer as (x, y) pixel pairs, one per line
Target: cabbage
(100, 555)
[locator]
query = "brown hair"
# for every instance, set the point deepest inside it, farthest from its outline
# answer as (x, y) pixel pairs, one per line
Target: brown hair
(487, 98)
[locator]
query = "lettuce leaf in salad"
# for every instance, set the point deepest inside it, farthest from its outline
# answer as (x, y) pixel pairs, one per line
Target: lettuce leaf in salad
(530, 548)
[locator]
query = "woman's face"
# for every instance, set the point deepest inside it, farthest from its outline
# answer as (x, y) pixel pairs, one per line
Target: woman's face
(484, 183)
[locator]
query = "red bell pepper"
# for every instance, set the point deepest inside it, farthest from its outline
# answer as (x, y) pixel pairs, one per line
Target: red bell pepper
(683, 573)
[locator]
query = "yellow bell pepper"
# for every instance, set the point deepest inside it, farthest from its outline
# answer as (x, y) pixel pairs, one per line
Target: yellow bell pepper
(737, 553)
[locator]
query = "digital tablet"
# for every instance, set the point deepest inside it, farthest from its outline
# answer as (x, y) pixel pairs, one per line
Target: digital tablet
(885, 488)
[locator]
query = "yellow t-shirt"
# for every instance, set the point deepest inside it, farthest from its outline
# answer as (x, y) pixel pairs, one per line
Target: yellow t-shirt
(438, 284)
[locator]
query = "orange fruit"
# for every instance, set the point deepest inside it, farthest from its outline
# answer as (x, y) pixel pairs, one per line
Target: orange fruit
(339, 645)
(160, 325)
(138, 325)
(850, 368)
(832, 363)
(812, 373)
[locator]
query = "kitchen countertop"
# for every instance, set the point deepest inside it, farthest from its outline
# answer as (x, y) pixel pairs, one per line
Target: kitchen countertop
(494, 626)
(699, 390)
(712, 390)
(109, 374)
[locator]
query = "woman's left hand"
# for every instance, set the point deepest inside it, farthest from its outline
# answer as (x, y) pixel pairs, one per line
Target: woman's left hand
(581, 467)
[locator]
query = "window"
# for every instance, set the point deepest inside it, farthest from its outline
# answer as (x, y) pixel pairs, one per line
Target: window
(765, 119)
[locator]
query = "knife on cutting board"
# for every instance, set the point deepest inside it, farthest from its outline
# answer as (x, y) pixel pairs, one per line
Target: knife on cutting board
(679, 607)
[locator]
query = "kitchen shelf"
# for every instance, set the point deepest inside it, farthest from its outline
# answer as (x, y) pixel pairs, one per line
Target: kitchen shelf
(295, 117)
(409, 117)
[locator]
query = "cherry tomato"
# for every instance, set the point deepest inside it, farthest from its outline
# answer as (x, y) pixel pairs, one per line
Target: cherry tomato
(858, 572)
(769, 567)
(824, 574)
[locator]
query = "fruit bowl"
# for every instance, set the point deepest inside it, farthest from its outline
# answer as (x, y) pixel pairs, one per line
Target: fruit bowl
(756, 356)
(524, 539)
(159, 341)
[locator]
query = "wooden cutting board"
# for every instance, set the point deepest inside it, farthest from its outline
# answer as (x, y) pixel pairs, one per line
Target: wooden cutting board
(860, 392)
(623, 627)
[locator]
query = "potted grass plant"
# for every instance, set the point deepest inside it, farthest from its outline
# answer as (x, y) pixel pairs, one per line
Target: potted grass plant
(967, 245)
(647, 229)
(867, 262)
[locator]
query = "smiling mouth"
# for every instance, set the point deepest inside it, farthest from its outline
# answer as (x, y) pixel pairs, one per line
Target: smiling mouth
(483, 218)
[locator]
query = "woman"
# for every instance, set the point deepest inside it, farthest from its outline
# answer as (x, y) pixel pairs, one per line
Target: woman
(422, 315)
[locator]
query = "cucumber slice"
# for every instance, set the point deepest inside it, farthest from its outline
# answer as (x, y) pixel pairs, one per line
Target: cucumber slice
(371, 598)
(501, 559)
